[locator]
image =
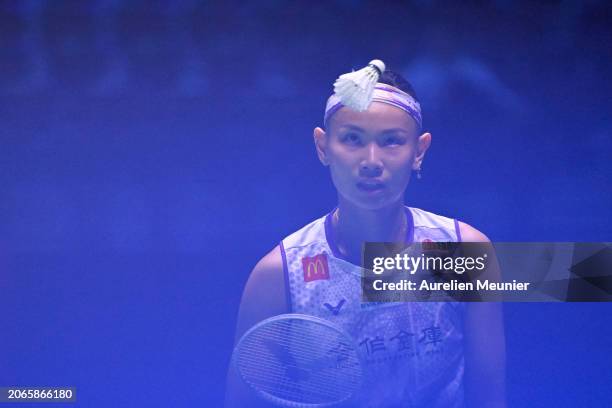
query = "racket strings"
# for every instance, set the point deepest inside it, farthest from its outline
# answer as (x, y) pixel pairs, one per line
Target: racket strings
(276, 372)
(299, 360)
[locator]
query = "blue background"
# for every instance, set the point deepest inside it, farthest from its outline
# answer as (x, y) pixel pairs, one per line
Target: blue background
(152, 152)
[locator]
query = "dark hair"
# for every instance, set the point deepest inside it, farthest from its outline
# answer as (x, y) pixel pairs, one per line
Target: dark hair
(393, 78)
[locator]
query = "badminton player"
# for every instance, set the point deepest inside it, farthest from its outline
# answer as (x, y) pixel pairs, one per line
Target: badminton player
(424, 354)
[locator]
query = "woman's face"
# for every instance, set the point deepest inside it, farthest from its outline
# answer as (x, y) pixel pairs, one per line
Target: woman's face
(371, 154)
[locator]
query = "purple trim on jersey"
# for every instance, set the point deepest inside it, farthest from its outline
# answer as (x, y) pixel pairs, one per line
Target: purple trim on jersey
(331, 239)
(286, 275)
(329, 236)
(410, 230)
(458, 231)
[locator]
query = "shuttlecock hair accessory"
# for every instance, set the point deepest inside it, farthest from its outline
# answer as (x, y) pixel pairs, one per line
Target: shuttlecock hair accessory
(346, 94)
(355, 88)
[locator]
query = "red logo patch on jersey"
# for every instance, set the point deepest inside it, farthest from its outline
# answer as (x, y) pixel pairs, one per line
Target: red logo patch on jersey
(315, 268)
(428, 245)
(434, 248)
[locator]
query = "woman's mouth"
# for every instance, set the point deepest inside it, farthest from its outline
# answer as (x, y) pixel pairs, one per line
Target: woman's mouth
(370, 186)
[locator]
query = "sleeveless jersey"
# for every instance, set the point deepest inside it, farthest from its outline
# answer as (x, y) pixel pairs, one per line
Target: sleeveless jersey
(413, 352)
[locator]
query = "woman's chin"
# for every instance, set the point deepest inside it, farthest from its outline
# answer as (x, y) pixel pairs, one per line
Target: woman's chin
(372, 203)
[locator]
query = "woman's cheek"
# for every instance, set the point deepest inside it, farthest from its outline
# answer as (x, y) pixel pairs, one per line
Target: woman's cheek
(338, 175)
(401, 170)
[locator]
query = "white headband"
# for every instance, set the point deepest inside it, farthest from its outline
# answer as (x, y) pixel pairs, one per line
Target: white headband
(382, 93)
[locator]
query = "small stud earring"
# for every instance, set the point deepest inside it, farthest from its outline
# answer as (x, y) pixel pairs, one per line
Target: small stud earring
(418, 174)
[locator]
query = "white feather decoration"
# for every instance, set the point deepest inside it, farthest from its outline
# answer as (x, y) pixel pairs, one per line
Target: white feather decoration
(355, 88)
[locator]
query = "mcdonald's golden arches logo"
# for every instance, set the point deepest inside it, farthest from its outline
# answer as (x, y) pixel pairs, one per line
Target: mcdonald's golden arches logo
(315, 268)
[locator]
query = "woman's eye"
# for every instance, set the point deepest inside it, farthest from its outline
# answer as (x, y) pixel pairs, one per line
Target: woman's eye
(392, 141)
(351, 138)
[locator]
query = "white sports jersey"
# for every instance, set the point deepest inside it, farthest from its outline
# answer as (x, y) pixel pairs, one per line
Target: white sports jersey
(413, 351)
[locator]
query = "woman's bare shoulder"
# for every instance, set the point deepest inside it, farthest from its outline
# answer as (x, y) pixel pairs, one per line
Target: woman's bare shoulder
(471, 234)
(270, 264)
(264, 293)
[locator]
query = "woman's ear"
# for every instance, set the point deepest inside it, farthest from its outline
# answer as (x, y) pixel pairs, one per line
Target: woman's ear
(320, 141)
(423, 143)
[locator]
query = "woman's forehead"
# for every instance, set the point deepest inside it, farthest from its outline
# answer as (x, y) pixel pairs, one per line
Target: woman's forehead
(377, 118)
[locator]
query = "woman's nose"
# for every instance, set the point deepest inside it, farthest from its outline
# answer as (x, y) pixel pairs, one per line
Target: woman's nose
(371, 165)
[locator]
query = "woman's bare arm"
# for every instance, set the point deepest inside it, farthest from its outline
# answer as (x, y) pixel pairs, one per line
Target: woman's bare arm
(264, 296)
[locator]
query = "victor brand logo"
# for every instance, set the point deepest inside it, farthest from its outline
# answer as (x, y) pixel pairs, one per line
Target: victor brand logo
(335, 309)
(315, 268)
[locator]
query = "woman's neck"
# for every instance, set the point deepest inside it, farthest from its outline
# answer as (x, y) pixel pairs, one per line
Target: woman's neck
(352, 226)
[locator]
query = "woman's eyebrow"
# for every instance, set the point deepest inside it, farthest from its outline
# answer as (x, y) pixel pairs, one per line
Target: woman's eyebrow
(393, 130)
(351, 127)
